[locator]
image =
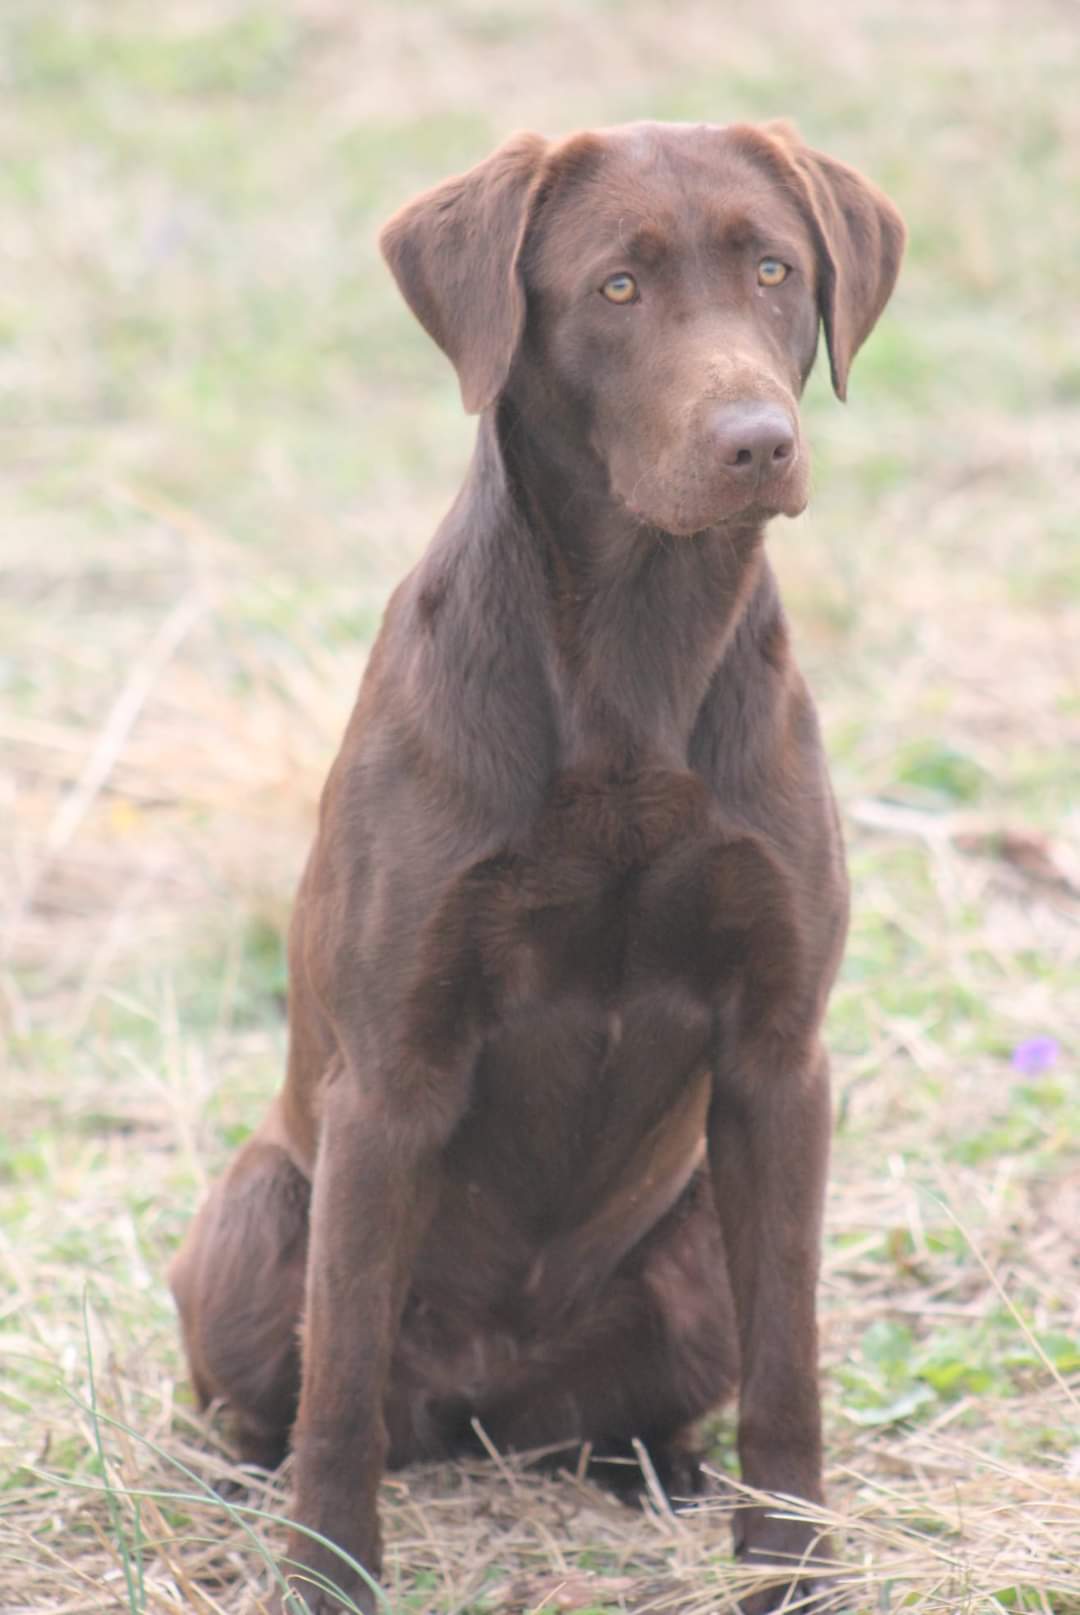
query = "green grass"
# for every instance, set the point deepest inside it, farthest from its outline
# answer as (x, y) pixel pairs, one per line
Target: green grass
(222, 440)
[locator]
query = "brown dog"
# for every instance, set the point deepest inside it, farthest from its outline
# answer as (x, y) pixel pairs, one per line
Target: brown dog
(552, 1145)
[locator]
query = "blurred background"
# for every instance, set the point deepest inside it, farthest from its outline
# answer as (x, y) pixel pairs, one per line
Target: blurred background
(222, 440)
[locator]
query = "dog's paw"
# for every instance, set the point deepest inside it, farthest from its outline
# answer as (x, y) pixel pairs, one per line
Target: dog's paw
(810, 1595)
(631, 1470)
(683, 1475)
(305, 1598)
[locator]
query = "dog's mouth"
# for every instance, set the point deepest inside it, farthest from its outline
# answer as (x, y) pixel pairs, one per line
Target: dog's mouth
(696, 502)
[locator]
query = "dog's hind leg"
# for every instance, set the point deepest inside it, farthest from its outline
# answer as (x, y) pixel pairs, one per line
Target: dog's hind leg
(654, 1351)
(238, 1282)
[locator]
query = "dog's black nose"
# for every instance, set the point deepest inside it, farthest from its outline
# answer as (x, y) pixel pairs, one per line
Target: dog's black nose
(753, 441)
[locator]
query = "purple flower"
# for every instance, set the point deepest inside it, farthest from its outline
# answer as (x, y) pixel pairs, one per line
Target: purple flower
(1035, 1055)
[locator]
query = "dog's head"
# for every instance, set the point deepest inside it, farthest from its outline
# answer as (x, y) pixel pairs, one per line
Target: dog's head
(660, 287)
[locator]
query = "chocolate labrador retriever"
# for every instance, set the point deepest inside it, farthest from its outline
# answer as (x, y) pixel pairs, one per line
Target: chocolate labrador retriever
(551, 1150)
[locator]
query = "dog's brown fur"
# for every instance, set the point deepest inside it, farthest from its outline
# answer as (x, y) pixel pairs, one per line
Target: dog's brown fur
(552, 1146)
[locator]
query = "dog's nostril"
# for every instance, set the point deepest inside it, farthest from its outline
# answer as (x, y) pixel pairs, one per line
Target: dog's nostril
(744, 457)
(783, 449)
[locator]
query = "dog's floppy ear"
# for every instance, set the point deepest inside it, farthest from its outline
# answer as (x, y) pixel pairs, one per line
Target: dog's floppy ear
(860, 242)
(454, 252)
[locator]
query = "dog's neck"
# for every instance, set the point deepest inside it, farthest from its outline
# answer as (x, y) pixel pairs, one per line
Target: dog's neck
(641, 619)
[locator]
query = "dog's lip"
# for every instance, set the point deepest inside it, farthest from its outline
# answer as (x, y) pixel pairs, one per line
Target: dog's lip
(754, 508)
(768, 497)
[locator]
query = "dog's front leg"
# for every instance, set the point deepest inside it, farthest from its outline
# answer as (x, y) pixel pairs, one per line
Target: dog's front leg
(768, 1145)
(375, 1186)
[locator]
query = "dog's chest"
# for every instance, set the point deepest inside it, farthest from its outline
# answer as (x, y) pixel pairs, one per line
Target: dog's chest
(622, 892)
(608, 942)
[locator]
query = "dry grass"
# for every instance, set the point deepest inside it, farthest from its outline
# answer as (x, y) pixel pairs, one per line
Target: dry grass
(929, 1522)
(223, 442)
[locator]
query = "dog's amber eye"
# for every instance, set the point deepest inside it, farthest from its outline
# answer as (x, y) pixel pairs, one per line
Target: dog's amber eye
(620, 288)
(770, 272)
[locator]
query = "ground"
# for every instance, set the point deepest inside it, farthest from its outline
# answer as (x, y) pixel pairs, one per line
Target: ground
(223, 439)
